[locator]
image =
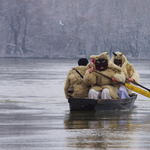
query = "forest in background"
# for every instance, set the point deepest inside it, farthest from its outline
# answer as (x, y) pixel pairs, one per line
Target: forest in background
(74, 28)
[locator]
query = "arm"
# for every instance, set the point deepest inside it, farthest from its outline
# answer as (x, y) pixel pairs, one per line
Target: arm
(120, 77)
(89, 78)
(67, 84)
(135, 77)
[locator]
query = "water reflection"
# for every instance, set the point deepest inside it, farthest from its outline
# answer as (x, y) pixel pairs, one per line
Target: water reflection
(105, 128)
(116, 120)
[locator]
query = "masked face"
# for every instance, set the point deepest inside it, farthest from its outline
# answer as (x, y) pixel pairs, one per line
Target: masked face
(101, 64)
(118, 62)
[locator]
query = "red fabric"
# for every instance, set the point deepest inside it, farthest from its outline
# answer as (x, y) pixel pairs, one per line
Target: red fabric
(93, 61)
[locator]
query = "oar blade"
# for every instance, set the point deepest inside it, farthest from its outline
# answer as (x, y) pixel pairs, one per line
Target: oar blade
(138, 90)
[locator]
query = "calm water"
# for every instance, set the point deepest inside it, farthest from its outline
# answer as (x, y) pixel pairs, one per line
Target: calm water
(34, 114)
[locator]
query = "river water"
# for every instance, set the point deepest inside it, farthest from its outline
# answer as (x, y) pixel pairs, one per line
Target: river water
(34, 114)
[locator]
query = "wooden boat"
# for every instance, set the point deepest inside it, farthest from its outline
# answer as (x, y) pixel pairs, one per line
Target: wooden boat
(101, 104)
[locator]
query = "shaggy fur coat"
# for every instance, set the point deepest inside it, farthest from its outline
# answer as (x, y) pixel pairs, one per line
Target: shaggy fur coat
(74, 79)
(99, 82)
(127, 68)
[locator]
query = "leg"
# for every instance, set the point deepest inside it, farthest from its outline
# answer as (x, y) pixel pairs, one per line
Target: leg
(122, 92)
(93, 94)
(105, 94)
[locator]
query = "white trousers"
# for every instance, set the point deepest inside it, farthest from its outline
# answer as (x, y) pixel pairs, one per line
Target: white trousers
(104, 94)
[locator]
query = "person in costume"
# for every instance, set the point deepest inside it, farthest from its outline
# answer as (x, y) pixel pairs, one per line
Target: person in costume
(131, 75)
(74, 85)
(102, 87)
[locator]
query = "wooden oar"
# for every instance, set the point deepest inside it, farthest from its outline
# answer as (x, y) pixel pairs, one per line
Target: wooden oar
(138, 90)
(131, 87)
(134, 82)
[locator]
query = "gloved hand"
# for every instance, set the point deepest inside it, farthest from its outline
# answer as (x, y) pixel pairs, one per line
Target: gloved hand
(131, 79)
(91, 69)
(113, 79)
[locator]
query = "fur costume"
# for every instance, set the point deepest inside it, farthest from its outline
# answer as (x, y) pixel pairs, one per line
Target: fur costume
(127, 68)
(99, 82)
(74, 79)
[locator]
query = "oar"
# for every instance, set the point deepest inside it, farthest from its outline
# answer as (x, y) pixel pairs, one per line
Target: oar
(134, 82)
(131, 87)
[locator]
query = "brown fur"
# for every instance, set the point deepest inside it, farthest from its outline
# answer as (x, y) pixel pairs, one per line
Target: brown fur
(127, 68)
(75, 80)
(93, 78)
(104, 56)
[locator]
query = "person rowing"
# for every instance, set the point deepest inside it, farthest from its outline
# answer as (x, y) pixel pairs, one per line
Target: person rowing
(102, 87)
(131, 75)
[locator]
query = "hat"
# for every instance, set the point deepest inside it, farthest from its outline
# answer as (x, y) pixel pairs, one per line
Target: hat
(82, 62)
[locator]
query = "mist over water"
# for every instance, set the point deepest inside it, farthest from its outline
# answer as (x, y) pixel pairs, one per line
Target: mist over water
(35, 115)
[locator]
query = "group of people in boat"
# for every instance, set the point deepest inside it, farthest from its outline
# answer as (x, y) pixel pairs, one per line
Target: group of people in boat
(102, 78)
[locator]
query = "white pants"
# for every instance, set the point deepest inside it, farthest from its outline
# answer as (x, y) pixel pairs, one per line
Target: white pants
(104, 94)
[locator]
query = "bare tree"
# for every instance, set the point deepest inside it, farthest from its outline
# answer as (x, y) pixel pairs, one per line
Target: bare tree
(32, 27)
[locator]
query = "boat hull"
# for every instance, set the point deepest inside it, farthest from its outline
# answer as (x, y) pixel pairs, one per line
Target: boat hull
(101, 104)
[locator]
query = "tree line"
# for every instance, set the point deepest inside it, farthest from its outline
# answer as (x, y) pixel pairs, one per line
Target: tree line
(74, 28)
